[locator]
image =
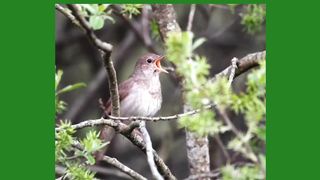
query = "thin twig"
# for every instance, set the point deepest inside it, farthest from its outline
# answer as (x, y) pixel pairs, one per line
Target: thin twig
(67, 13)
(135, 139)
(162, 118)
(239, 135)
(114, 162)
(222, 147)
(99, 79)
(105, 47)
(110, 121)
(139, 28)
(105, 50)
(162, 167)
(233, 70)
(191, 16)
(149, 151)
(146, 30)
(244, 64)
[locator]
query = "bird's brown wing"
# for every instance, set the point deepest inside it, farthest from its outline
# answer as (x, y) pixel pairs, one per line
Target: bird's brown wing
(124, 89)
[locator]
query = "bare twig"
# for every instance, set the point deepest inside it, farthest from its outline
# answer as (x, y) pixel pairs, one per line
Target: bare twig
(191, 16)
(99, 79)
(222, 147)
(139, 28)
(244, 64)
(114, 162)
(68, 14)
(240, 135)
(139, 142)
(233, 70)
(105, 49)
(162, 118)
(135, 139)
(109, 172)
(145, 29)
(149, 151)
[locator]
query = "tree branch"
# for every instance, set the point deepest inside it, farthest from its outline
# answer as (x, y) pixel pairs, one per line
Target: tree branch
(233, 70)
(124, 130)
(244, 64)
(162, 167)
(191, 16)
(105, 50)
(139, 28)
(67, 13)
(100, 78)
(149, 151)
(114, 162)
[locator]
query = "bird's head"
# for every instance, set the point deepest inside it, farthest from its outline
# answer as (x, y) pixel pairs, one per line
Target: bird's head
(149, 65)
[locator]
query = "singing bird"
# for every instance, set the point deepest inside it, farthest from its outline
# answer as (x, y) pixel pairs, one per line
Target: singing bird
(140, 94)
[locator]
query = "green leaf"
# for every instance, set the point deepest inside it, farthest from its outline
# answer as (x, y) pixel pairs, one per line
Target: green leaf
(109, 18)
(90, 159)
(198, 43)
(103, 7)
(131, 9)
(70, 88)
(92, 8)
(58, 78)
(96, 22)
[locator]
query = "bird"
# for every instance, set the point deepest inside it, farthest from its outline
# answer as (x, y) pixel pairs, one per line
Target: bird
(140, 94)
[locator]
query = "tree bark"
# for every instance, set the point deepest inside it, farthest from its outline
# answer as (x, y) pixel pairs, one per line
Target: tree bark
(197, 147)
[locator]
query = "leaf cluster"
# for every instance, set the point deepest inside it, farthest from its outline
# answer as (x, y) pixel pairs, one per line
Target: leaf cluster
(70, 152)
(253, 18)
(97, 14)
(199, 90)
(76, 155)
(130, 10)
(61, 105)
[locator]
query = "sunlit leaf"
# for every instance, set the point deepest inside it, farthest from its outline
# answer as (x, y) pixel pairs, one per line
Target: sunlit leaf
(198, 43)
(71, 87)
(96, 22)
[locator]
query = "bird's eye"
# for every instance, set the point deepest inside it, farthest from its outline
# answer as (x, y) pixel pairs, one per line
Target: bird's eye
(149, 60)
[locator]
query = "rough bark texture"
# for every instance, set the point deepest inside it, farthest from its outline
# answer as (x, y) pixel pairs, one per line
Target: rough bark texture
(198, 152)
(244, 64)
(165, 17)
(197, 147)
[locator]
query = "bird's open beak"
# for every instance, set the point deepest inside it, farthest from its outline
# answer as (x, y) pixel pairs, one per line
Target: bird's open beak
(158, 65)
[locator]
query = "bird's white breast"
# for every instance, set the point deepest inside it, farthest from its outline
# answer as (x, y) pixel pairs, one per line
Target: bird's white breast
(141, 102)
